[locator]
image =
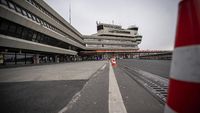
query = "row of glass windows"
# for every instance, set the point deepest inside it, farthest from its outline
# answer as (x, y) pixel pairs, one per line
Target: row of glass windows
(93, 45)
(13, 58)
(18, 31)
(119, 46)
(121, 32)
(112, 26)
(28, 14)
(17, 58)
(104, 45)
(113, 41)
(33, 17)
(138, 39)
(117, 40)
(35, 4)
(116, 36)
(38, 6)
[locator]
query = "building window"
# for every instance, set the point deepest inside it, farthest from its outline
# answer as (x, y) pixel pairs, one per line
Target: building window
(24, 12)
(9, 58)
(47, 40)
(19, 31)
(37, 20)
(34, 37)
(42, 22)
(24, 33)
(12, 29)
(48, 25)
(29, 15)
(29, 58)
(20, 58)
(32, 2)
(4, 2)
(36, 6)
(18, 9)
(100, 27)
(4, 26)
(33, 17)
(29, 1)
(39, 38)
(11, 5)
(30, 35)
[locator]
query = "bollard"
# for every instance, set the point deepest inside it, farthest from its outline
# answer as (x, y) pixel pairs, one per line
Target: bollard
(184, 84)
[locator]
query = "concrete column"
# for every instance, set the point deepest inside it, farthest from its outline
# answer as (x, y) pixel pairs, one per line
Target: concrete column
(1, 59)
(36, 59)
(57, 60)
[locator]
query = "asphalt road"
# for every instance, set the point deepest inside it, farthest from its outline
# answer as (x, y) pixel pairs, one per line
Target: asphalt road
(93, 98)
(37, 96)
(77, 88)
(44, 88)
(158, 67)
(136, 98)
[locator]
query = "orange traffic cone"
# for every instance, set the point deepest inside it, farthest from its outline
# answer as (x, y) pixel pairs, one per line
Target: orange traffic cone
(184, 85)
(113, 62)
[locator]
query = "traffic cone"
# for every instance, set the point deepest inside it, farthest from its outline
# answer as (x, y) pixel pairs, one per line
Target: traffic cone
(113, 62)
(184, 85)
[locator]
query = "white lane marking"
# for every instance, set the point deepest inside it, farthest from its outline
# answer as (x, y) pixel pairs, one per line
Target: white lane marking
(77, 96)
(103, 67)
(70, 104)
(115, 101)
(186, 64)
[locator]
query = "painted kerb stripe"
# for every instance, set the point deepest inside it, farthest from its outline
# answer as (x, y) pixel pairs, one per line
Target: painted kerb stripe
(115, 101)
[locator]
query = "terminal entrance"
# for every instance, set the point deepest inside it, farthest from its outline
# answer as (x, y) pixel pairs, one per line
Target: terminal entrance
(95, 55)
(10, 56)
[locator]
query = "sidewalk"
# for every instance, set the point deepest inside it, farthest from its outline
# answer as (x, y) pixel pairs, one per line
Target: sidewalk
(45, 88)
(64, 71)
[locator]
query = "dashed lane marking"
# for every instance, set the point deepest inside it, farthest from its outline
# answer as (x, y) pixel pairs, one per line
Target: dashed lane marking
(77, 96)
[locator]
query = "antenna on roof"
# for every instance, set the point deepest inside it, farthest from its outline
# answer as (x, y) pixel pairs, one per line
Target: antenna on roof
(113, 22)
(70, 12)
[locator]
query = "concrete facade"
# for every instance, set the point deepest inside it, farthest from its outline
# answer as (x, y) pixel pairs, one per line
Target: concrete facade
(112, 37)
(31, 29)
(68, 35)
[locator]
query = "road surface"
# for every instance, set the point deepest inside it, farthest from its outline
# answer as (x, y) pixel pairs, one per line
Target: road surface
(82, 87)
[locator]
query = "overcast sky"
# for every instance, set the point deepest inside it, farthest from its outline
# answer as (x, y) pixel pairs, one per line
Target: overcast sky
(156, 19)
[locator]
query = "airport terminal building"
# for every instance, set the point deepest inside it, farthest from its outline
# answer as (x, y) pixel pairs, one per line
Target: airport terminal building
(31, 32)
(112, 40)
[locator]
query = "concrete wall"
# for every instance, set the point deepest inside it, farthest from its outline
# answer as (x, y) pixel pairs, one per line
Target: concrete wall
(7, 41)
(75, 34)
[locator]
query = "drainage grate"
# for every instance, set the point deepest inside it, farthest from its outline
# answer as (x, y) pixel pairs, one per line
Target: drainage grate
(155, 84)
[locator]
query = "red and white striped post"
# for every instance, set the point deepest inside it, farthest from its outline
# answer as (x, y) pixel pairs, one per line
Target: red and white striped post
(184, 86)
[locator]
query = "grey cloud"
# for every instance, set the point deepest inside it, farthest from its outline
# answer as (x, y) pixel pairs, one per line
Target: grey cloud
(156, 18)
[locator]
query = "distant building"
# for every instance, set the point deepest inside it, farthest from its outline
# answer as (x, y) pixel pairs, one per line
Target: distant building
(31, 32)
(113, 40)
